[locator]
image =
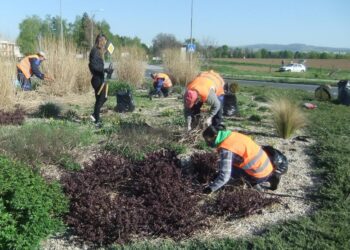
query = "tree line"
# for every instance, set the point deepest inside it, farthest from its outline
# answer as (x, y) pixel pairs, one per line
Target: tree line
(84, 30)
(33, 29)
(227, 52)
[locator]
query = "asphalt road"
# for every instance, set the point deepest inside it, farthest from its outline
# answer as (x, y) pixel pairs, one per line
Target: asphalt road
(308, 87)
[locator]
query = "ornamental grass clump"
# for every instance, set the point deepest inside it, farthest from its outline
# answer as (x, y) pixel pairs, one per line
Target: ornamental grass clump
(287, 117)
(49, 110)
(35, 143)
(7, 77)
(130, 66)
(180, 66)
(69, 70)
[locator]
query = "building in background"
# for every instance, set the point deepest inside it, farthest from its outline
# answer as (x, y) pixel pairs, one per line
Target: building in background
(9, 49)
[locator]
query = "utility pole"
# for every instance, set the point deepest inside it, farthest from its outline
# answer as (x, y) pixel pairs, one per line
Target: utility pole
(61, 24)
(191, 38)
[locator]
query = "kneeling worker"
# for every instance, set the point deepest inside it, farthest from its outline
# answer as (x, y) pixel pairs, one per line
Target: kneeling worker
(161, 84)
(240, 156)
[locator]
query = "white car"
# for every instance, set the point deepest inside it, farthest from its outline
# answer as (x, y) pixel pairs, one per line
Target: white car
(293, 67)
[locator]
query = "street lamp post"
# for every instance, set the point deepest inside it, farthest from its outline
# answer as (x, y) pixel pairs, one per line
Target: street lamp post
(191, 38)
(61, 23)
(92, 24)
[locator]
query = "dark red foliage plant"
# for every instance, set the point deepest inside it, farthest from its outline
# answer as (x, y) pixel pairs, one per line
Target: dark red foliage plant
(15, 117)
(204, 166)
(112, 199)
(238, 202)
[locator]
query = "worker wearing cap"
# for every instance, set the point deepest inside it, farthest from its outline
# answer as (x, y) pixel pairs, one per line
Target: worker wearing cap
(29, 66)
(207, 87)
(240, 157)
(161, 84)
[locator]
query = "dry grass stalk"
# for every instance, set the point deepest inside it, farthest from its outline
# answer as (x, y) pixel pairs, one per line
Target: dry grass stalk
(191, 138)
(287, 117)
(71, 73)
(179, 66)
(7, 77)
(130, 65)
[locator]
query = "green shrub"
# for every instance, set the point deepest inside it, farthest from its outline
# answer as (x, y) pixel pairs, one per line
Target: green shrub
(255, 118)
(29, 207)
(134, 138)
(71, 115)
(115, 86)
(43, 142)
(168, 112)
(261, 98)
(263, 109)
(49, 110)
(66, 161)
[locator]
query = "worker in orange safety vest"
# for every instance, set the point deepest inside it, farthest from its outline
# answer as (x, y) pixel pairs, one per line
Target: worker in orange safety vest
(240, 157)
(161, 85)
(207, 87)
(29, 66)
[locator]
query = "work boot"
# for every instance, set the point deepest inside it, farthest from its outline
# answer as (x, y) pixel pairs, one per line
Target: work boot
(274, 181)
(98, 124)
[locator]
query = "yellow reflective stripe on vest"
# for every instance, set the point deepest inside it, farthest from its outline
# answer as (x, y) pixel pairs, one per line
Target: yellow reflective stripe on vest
(262, 167)
(252, 162)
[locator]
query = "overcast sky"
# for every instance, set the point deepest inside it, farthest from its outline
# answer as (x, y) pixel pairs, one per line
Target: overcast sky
(230, 22)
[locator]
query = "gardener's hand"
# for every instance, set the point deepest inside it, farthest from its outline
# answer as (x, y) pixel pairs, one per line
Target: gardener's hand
(48, 78)
(208, 121)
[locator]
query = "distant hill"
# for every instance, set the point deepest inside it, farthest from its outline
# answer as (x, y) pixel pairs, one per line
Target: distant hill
(295, 47)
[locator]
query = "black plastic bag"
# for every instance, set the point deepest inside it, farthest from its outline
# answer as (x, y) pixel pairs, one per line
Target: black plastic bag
(277, 158)
(344, 92)
(230, 107)
(125, 102)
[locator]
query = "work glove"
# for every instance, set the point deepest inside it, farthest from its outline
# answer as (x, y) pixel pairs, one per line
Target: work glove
(48, 78)
(208, 121)
(207, 190)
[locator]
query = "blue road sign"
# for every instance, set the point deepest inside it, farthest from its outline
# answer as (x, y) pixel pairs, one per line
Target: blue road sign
(191, 47)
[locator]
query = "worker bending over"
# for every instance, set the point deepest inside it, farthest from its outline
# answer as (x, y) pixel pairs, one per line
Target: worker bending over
(28, 67)
(207, 87)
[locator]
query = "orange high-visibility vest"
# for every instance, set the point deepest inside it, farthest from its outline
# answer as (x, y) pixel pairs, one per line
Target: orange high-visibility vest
(256, 163)
(203, 83)
(213, 74)
(167, 82)
(24, 65)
